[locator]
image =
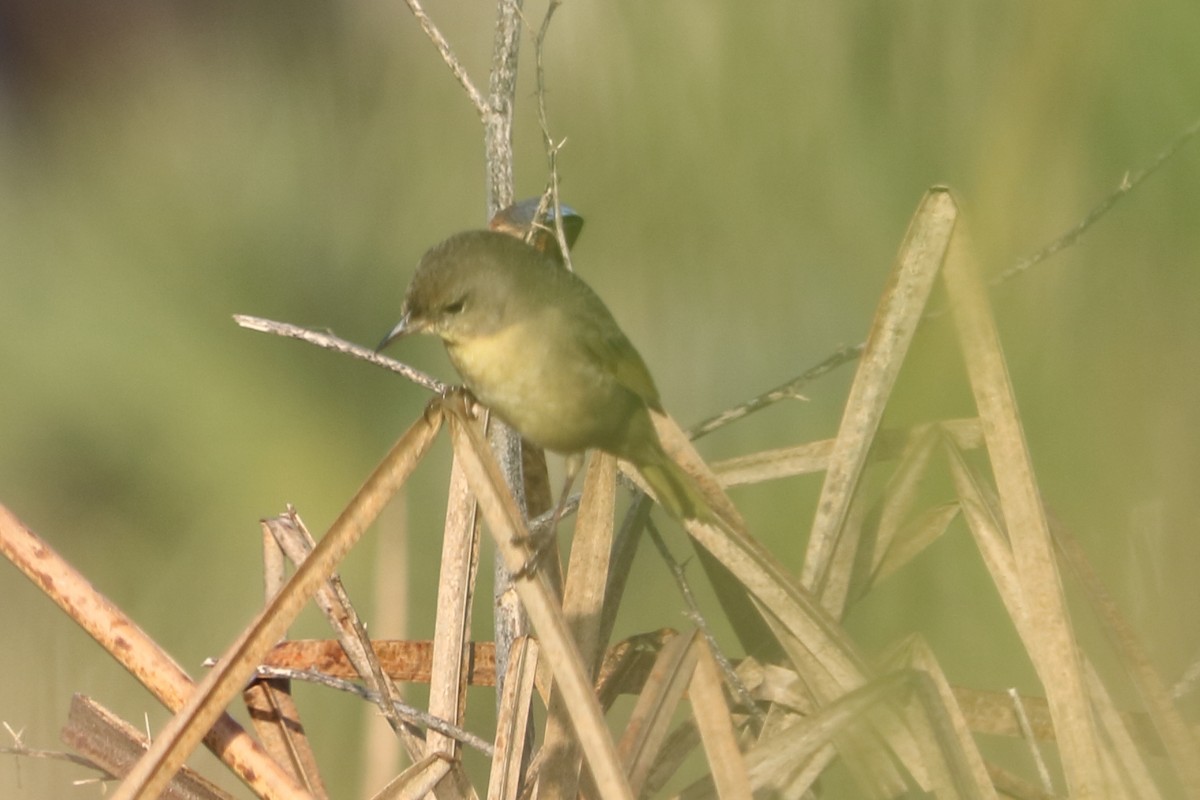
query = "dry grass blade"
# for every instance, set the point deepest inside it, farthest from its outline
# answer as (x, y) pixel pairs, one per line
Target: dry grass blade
(137, 652)
(512, 722)
(289, 533)
(1125, 765)
(583, 606)
(834, 666)
(647, 728)
(558, 648)
(1051, 646)
(729, 773)
(452, 627)
(805, 459)
(819, 648)
(895, 322)
(419, 780)
(189, 725)
(770, 465)
(916, 534)
(276, 719)
(900, 493)
(112, 744)
(779, 762)
(954, 747)
(1178, 740)
(269, 703)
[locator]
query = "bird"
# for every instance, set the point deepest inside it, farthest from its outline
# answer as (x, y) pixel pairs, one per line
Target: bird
(535, 344)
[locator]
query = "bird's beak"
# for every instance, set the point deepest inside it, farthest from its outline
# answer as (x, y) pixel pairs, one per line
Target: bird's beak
(407, 324)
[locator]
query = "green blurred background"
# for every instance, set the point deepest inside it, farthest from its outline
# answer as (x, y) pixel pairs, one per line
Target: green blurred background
(747, 172)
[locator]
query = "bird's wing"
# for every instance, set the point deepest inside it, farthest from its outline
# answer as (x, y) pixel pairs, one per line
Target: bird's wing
(619, 358)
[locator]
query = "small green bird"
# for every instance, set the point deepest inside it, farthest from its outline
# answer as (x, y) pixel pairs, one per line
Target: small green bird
(535, 344)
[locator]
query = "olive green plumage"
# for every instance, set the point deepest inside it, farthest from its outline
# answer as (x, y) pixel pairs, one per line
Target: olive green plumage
(535, 344)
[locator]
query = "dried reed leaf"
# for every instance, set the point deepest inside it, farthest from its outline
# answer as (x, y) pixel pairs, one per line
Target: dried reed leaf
(775, 684)
(121, 637)
(803, 459)
(1178, 740)
(1051, 644)
(900, 494)
(647, 729)
(419, 780)
(913, 537)
(1126, 766)
(780, 763)
(269, 703)
(679, 744)
(505, 523)
(181, 735)
(583, 606)
(949, 743)
(289, 533)
(114, 745)
(276, 719)
(816, 645)
(452, 625)
(512, 721)
(892, 329)
(769, 465)
(729, 773)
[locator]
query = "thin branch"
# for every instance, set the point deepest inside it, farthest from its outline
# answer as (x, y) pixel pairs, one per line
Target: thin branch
(846, 355)
(1031, 740)
(697, 616)
(551, 148)
(331, 342)
(409, 713)
(56, 755)
(1128, 183)
(443, 47)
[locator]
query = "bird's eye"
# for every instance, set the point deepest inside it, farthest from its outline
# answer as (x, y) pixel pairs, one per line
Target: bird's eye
(456, 306)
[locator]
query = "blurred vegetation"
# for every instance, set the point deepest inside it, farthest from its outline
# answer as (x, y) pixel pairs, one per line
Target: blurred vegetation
(746, 176)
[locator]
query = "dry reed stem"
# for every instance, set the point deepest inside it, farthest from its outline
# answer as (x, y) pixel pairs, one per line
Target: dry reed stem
(113, 745)
(812, 457)
(714, 723)
(206, 704)
(121, 637)
(1178, 740)
(291, 535)
(421, 779)
(830, 556)
(1051, 644)
(269, 702)
(971, 777)
(452, 625)
(648, 723)
(583, 606)
(512, 722)
(505, 523)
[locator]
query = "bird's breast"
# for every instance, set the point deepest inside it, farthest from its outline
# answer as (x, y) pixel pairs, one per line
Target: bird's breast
(535, 382)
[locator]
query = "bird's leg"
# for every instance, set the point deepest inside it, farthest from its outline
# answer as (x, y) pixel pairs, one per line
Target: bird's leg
(539, 542)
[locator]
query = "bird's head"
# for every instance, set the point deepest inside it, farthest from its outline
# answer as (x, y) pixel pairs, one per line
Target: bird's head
(463, 287)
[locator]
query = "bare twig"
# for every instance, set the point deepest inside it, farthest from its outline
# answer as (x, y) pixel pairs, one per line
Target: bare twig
(331, 342)
(447, 54)
(552, 148)
(1031, 740)
(845, 355)
(1129, 182)
(410, 713)
(697, 616)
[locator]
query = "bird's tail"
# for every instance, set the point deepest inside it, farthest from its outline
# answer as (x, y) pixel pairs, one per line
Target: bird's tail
(676, 490)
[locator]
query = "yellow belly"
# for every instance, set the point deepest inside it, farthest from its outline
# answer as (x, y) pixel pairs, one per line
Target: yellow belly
(534, 383)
